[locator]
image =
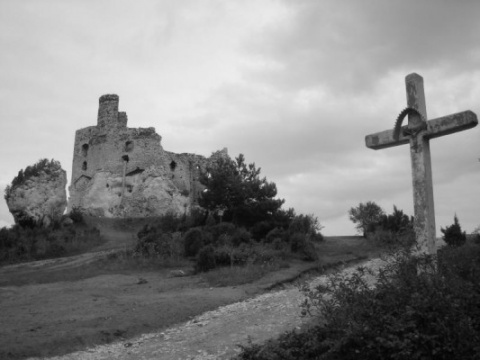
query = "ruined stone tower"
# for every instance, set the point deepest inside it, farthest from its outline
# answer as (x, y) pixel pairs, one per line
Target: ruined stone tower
(124, 172)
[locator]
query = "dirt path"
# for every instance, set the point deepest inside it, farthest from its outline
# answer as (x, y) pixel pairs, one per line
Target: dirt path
(214, 334)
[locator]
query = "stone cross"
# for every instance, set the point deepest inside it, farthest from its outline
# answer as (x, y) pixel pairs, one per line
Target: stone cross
(418, 133)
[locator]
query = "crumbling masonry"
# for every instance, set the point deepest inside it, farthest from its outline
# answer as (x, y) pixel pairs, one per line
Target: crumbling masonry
(124, 172)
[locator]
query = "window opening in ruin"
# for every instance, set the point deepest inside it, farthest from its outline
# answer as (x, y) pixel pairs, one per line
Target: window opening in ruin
(135, 172)
(85, 149)
(173, 165)
(125, 158)
(84, 166)
(108, 186)
(129, 146)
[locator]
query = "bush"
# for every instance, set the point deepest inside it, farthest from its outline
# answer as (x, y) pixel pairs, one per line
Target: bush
(417, 310)
(241, 236)
(397, 222)
(306, 224)
(300, 244)
(476, 235)
(195, 218)
(193, 242)
(169, 222)
(76, 215)
(205, 259)
(453, 234)
(261, 229)
(158, 244)
(220, 229)
(277, 234)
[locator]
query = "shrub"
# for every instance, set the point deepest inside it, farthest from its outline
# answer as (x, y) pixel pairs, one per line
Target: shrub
(276, 234)
(278, 244)
(260, 229)
(193, 242)
(205, 259)
(417, 310)
(476, 235)
(301, 245)
(169, 222)
(220, 229)
(453, 234)
(229, 255)
(158, 244)
(297, 242)
(241, 236)
(305, 224)
(195, 218)
(76, 215)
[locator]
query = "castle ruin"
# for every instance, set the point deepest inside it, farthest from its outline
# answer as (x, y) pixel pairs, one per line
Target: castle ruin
(124, 172)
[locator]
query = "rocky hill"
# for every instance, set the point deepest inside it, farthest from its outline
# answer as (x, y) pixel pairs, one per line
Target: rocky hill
(37, 195)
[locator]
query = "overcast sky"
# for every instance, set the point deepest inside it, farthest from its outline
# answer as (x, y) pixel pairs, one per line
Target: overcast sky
(293, 85)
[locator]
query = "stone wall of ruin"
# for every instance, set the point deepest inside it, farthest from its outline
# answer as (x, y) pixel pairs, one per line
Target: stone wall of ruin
(124, 172)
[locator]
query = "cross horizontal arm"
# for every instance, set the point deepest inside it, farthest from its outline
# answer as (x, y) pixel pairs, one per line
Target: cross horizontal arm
(450, 124)
(384, 139)
(435, 128)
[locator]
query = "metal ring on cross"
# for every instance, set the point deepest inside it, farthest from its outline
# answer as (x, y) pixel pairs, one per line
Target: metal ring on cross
(401, 116)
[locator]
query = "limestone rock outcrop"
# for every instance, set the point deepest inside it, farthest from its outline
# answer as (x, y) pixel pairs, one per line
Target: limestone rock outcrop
(119, 171)
(38, 194)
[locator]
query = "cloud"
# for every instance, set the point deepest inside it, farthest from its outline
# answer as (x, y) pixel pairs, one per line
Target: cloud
(349, 45)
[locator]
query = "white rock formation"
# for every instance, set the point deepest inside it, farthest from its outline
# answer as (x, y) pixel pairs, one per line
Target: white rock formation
(40, 198)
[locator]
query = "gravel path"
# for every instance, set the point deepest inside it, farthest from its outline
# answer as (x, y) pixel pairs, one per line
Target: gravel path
(215, 334)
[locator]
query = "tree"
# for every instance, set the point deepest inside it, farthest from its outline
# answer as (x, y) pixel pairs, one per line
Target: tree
(453, 234)
(396, 222)
(237, 189)
(366, 216)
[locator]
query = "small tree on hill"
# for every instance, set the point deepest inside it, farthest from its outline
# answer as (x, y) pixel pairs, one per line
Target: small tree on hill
(453, 234)
(237, 189)
(366, 216)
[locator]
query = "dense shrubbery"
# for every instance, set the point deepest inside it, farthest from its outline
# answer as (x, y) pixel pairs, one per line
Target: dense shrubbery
(19, 244)
(419, 309)
(214, 245)
(453, 234)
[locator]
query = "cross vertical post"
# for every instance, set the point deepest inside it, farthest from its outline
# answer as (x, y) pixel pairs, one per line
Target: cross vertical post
(423, 204)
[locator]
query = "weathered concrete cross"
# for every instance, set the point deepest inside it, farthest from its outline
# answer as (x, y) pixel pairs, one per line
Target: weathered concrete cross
(418, 133)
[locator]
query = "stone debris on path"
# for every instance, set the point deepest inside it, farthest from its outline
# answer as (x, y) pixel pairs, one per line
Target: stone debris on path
(217, 334)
